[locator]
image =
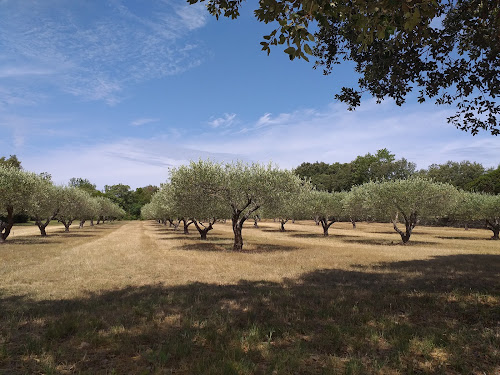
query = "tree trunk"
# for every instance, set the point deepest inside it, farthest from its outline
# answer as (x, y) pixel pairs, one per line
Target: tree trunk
(282, 223)
(410, 224)
(187, 223)
(203, 231)
(42, 227)
(466, 226)
(238, 238)
(353, 222)
(66, 225)
(6, 227)
(91, 222)
(326, 225)
(495, 228)
(81, 224)
(256, 221)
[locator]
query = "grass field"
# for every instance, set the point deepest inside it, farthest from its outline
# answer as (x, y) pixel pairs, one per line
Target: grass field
(141, 298)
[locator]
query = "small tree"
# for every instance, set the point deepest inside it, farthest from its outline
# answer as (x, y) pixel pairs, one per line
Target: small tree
(327, 207)
(44, 204)
(16, 187)
(489, 210)
(73, 202)
(409, 200)
(294, 205)
(467, 207)
(196, 195)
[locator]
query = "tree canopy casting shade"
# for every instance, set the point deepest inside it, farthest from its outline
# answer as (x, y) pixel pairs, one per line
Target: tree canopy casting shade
(448, 50)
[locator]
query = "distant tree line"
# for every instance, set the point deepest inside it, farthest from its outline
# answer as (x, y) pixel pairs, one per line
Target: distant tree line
(383, 166)
(129, 200)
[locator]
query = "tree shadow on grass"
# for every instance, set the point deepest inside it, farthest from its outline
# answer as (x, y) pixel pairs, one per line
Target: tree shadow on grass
(426, 316)
(31, 240)
(467, 238)
(227, 245)
(277, 230)
(385, 242)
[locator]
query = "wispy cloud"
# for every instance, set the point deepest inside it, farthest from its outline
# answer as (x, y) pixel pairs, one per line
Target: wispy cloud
(143, 121)
(97, 49)
(135, 162)
(420, 134)
(221, 122)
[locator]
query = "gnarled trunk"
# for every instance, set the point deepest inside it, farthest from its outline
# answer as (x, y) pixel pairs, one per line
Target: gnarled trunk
(6, 227)
(203, 230)
(494, 226)
(187, 223)
(326, 224)
(91, 222)
(410, 223)
(238, 238)
(82, 222)
(42, 226)
(66, 224)
(282, 225)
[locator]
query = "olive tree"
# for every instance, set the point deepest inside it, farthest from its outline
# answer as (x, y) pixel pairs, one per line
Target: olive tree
(16, 187)
(467, 207)
(44, 204)
(196, 194)
(294, 204)
(248, 187)
(73, 202)
(489, 210)
(327, 208)
(408, 201)
(354, 206)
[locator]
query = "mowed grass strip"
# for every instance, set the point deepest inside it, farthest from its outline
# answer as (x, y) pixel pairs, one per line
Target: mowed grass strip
(141, 298)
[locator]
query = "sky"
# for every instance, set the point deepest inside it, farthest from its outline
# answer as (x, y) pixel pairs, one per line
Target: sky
(119, 91)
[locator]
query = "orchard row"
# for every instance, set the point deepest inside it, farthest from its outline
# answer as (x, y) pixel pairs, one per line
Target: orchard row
(23, 192)
(204, 192)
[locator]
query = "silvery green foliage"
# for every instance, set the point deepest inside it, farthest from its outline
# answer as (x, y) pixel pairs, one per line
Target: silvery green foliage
(467, 206)
(425, 198)
(73, 202)
(106, 209)
(296, 202)
(408, 201)
(196, 191)
(489, 211)
(16, 187)
(161, 206)
(328, 205)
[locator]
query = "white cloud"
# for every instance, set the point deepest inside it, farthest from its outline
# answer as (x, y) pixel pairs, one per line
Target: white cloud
(143, 121)
(221, 122)
(420, 134)
(96, 58)
(135, 162)
(23, 71)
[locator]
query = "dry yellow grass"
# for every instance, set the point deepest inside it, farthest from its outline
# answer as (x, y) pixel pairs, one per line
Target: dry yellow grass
(139, 297)
(141, 253)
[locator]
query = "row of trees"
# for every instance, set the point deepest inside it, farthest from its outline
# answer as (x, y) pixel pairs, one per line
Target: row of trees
(204, 192)
(383, 165)
(35, 195)
(129, 200)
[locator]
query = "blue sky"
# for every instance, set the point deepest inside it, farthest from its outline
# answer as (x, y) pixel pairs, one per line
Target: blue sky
(119, 91)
